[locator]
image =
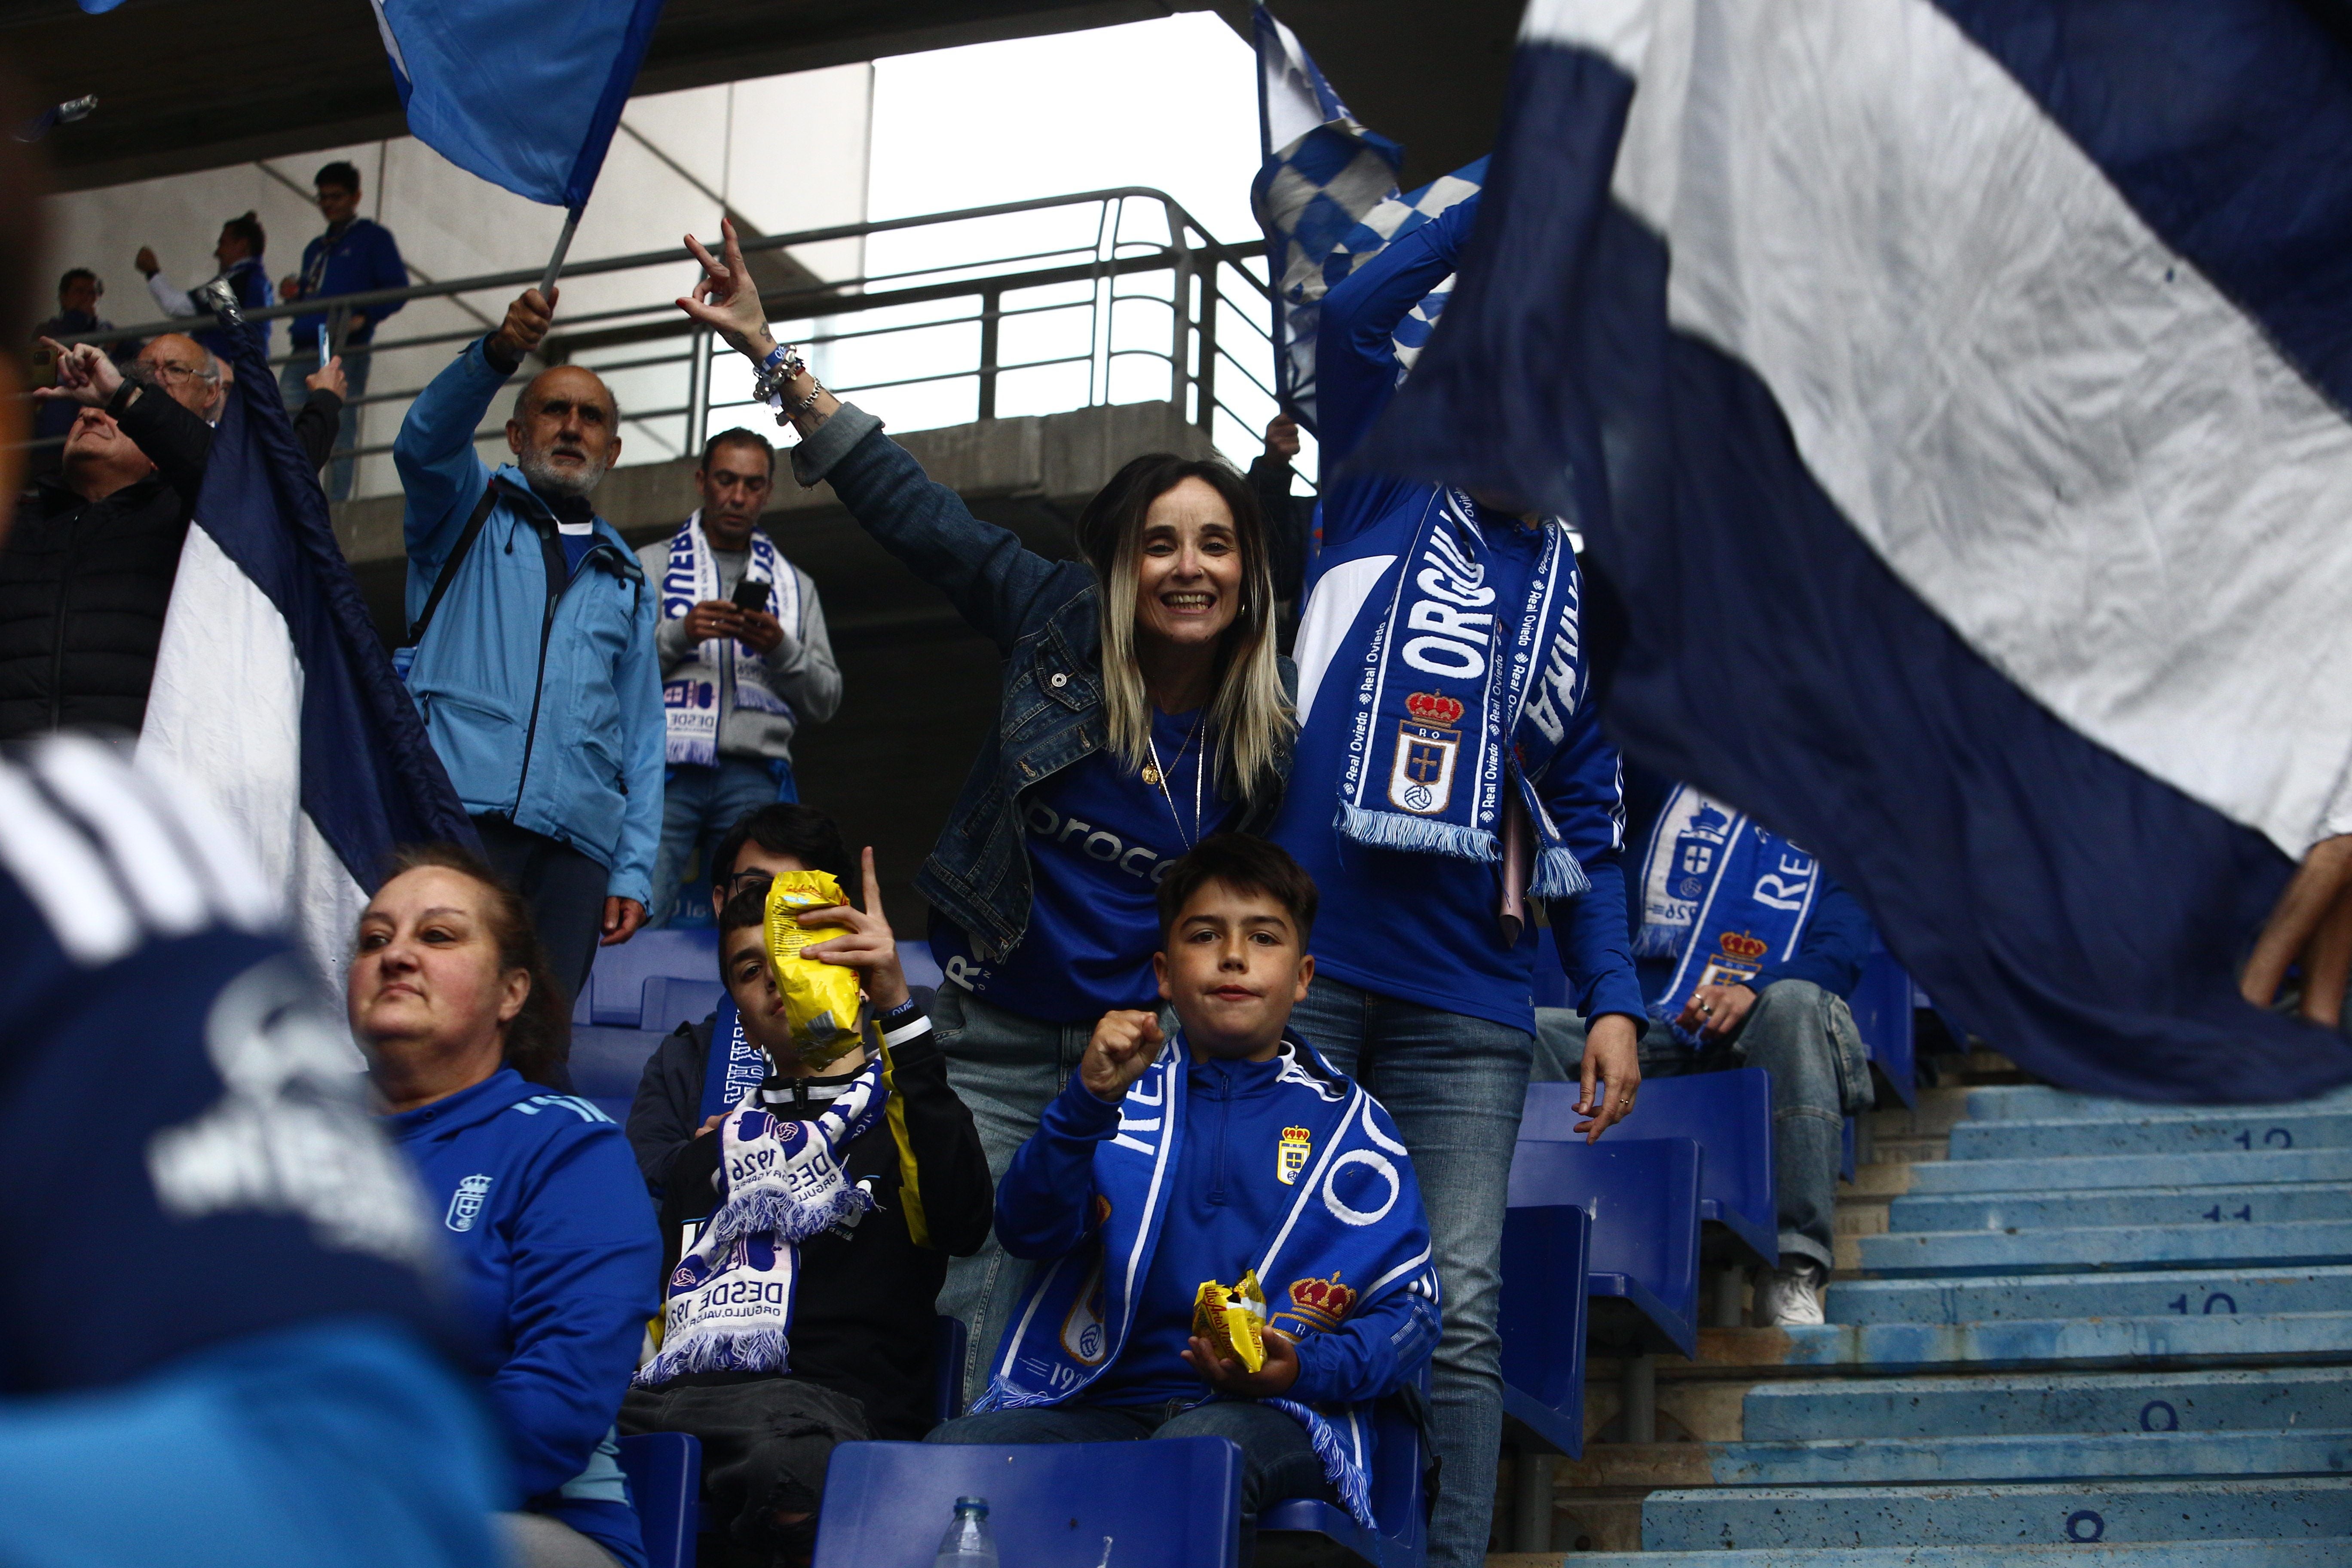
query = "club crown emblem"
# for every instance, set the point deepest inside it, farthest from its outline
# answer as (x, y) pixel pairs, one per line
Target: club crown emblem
(1321, 1302)
(1431, 708)
(1739, 944)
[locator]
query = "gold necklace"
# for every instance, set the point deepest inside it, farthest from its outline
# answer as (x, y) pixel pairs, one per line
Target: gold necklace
(1154, 774)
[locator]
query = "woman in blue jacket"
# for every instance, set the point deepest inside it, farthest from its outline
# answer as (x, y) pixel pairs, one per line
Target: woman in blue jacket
(1145, 708)
(538, 1199)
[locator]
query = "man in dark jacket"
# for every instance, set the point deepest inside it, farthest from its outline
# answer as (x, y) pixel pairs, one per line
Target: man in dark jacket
(856, 1299)
(87, 573)
(355, 256)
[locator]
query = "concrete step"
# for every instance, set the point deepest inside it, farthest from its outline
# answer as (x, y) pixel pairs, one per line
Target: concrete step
(2120, 1247)
(2085, 1343)
(1880, 1179)
(1904, 1461)
(1862, 1216)
(2266, 1399)
(2264, 1203)
(2041, 1457)
(2187, 1292)
(2041, 1103)
(1909, 1151)
(2332, 1552)
(2056, 1512)
(2080, 1173)
(1939, 1112)
(2208, 1133)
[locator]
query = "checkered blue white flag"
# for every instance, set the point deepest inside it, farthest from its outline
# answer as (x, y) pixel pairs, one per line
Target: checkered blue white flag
(1327, 200)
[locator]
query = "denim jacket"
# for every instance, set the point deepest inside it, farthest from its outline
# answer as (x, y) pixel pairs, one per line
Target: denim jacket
(1042, 617)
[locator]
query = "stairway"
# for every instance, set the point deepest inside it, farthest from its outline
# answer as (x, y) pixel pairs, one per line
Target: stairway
(2062, 1329)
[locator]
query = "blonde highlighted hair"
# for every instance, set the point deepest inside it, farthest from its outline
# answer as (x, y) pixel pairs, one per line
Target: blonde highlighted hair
(1252, 717)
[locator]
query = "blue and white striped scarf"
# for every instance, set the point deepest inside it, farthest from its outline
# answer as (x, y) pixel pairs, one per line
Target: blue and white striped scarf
(690, 692)
(1471, 668)
(1723, 895)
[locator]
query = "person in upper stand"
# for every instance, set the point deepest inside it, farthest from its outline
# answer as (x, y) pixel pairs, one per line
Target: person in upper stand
(700, 1070)
(354, 256)
(237, 255)
(1282, 1172)
(535, 675)
(1145, 708)
(1762, 980)
(737, 683)
(556, 1257)
(1450, 772)
(891, 1183)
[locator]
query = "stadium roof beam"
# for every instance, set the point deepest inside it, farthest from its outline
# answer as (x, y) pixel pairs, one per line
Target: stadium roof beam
(193, 84)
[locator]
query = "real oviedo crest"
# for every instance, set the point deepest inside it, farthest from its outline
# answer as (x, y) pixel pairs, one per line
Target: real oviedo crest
(466, 1202)
(1428, 741)
(1290, 1158)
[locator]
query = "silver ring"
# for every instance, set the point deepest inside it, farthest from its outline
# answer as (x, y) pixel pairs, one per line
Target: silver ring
(1707, 1009)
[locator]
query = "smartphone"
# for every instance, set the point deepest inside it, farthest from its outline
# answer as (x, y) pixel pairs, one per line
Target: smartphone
(324, 353)
(752, 592)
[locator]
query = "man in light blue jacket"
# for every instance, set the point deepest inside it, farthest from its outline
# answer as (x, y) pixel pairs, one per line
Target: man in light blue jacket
(532, 629)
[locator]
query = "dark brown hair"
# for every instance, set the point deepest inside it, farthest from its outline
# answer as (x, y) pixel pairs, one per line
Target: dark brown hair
(248, 230)
(1247, 863)
(536, 1041)
(748, 908)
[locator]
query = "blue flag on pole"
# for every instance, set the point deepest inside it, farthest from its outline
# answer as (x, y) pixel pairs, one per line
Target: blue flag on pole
(272, 688)
(1952, 393)
(1327, 197)
(524, 94)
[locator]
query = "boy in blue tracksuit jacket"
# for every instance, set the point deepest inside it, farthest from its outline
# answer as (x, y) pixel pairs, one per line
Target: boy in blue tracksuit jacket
(540, 1205)
(538, 677)
(1230, 1151)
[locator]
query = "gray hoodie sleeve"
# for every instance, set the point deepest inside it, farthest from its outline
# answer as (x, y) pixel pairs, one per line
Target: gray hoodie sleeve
(803, 666)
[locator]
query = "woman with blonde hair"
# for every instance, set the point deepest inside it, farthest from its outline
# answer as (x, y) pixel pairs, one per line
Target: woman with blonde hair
(1145, 707)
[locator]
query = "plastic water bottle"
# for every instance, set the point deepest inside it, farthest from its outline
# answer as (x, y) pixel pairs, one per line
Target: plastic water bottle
(967, 1543)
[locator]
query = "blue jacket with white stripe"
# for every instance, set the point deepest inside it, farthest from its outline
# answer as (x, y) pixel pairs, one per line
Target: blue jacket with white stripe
(559, 1260)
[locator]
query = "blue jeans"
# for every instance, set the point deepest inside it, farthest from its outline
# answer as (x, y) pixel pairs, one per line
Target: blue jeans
(1455, 1087)
(698, 806)
(1801, 1035)
(1278, 1462)
(340, 471)
(1006, 1067)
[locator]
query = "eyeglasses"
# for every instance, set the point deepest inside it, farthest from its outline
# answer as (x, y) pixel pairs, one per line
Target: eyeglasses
(755, 878)
(152, 370)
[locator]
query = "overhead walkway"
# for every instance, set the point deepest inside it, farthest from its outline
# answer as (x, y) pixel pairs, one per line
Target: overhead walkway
(2062, 1329)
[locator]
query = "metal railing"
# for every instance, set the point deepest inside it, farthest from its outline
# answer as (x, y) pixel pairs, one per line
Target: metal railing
(1087, 291)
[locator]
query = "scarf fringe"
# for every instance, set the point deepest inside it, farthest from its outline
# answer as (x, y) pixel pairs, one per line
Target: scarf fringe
(1655, 940)
(757, 1349)
(793, 1219)
(1394, 830)
(1346, 1476)
(1558, 875)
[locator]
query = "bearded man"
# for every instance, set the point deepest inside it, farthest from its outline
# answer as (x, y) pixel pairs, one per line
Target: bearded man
(531, 639)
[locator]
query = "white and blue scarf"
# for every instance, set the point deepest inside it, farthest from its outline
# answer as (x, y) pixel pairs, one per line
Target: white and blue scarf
(1358, 1217)
(1470, 676)
(1727, 897)
(690, 694)
(735, 1066)
(730, 1299)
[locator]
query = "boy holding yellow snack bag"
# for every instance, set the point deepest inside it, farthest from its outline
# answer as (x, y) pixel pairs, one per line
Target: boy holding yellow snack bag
(1230, 1235)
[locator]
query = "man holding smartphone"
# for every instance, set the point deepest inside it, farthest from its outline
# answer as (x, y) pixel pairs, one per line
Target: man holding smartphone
(745, 658)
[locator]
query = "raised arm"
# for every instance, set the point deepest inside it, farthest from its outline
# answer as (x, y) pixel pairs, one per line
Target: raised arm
(440, 473)
(1355, 351)
(993, 580)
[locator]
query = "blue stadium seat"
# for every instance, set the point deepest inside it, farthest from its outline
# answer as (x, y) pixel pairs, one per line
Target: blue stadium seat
(947, 1368)
(1400, 1505)
(669, 1000)
(1730, 1115)
(1882, 1003)
(1643, 1196)
(1161, 1503)
(615, 992)
(1547, 1259)
(665, 1471)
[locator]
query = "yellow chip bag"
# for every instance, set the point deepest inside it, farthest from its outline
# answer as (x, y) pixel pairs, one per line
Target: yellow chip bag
(821, 1000)
(1233, 1320)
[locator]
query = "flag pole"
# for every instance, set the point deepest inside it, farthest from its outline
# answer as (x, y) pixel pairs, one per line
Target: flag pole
(555, 262)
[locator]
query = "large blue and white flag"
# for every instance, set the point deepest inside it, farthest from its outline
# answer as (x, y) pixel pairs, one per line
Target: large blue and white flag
(522, 93)
(1953, 395)
(272, 691)
(1327, 197)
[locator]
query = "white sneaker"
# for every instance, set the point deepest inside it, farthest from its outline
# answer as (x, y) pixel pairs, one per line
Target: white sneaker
(1786, 1298)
